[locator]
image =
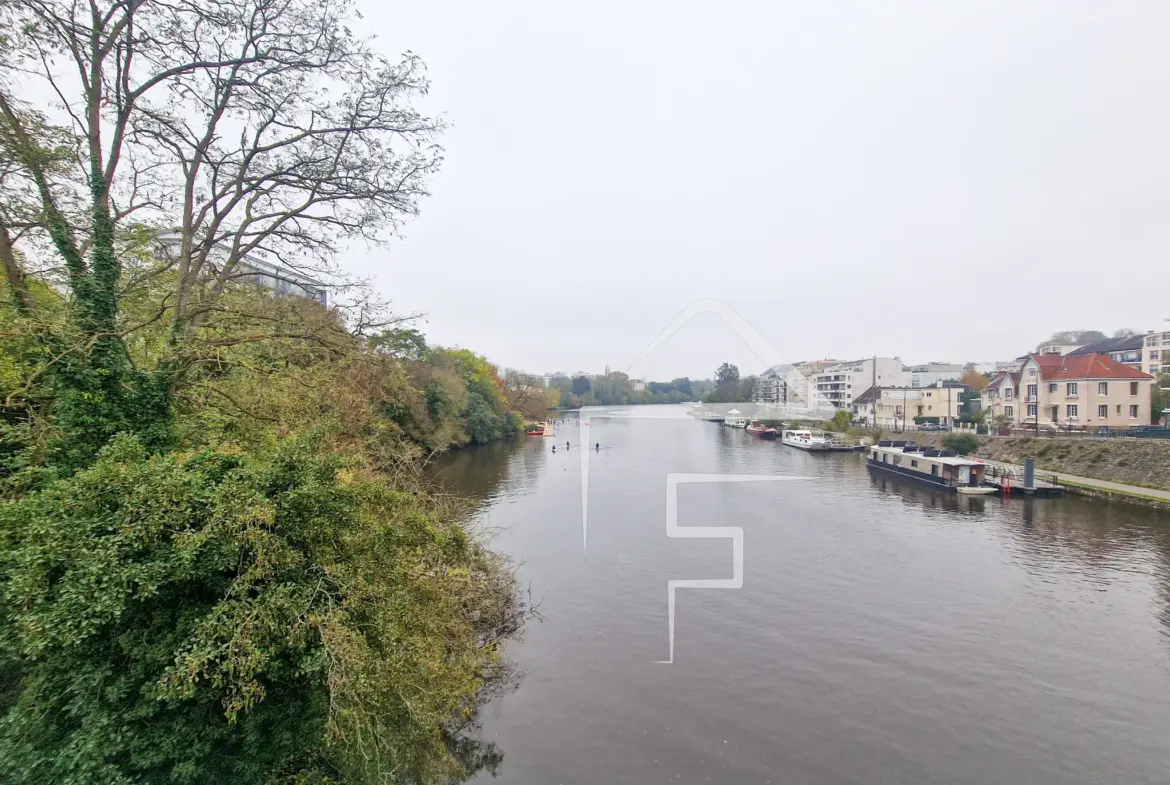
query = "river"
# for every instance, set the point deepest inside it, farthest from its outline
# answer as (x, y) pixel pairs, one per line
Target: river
(884, 633)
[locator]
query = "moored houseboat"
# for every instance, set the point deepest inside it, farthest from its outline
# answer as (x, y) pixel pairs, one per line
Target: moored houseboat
(941, 469)
(735, 419)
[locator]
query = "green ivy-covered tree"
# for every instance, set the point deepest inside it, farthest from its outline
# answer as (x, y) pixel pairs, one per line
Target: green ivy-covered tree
(250, 130)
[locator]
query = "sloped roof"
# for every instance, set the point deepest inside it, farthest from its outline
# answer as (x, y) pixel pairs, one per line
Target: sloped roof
(1129, 343)
(868, 396)
(1000, 375)
(1085, 366)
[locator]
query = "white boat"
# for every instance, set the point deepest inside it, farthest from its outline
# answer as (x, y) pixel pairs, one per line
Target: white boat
(806, 440)
(735, 419)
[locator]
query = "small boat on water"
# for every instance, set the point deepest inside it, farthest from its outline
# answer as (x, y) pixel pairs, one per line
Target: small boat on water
(735, 419)
(759, 429)
(941, 469)
(806, 440)
(545, 428)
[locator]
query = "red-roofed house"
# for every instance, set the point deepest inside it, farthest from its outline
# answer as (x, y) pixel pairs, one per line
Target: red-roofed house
(1001, 396)
(1081, 390)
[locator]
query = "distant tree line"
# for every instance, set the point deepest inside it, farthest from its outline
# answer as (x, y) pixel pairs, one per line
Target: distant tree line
(729, 386)
(617, 389)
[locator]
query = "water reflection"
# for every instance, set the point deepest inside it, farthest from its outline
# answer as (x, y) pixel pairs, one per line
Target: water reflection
(885, 632)
(483, 472)
(915, 494)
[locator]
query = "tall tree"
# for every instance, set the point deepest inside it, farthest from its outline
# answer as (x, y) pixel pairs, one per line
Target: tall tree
(973, 379)
(726, 373)
(257, 129)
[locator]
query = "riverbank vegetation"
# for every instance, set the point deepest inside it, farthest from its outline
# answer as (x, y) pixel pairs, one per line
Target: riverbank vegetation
(218, 562)
(618, 389)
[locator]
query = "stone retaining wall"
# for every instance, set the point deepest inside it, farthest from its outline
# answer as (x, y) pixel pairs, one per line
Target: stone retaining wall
(1143, 462)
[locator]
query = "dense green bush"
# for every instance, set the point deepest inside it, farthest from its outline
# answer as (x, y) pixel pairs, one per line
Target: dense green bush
(962, 443)
(214, 617)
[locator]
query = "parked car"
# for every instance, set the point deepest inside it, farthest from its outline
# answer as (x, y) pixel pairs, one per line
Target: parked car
(932, 426)
(1150, 432)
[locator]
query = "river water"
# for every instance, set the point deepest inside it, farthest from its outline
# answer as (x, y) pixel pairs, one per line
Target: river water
(884, 633)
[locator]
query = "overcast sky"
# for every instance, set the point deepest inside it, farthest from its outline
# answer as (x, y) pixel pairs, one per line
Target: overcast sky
(936, 181)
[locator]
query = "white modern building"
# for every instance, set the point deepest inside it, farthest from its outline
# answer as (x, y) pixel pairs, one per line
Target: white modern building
(282, 280)
(1059, 348)
(839, 384)
(789, 384)
(930, 374)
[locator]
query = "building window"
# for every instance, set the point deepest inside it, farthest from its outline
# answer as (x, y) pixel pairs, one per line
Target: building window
(1133, 412)
(1052, 387)
(1009, 411)
(1119, 408)
(1031, 392)
(1031, 410)
(1103, 411)
(1071, 389)
(1102, 388)
(1007, 392)
(1071, 411)
(1153, 355)
(1133, 388)
(1154, 370)
(1032, 372)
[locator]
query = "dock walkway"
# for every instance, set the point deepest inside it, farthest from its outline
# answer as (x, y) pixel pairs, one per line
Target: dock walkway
(1016, 475)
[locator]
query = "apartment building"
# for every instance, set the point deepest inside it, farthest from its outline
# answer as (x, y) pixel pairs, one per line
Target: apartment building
(1156, 353)
(1073, 390)
(789, 384)
(282, 280)
(1126, 350)
(930, 374)
(1058, 348)
(839, 384)
(895, 407)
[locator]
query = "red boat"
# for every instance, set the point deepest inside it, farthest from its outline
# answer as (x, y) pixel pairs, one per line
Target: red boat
(546, 429)
(761, 430)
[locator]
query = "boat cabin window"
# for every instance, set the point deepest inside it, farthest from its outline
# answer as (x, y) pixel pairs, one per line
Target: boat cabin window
(934, 469)
(885, 458)
(913, 463)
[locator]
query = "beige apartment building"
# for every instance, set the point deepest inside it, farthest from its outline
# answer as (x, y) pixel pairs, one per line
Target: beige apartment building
(897, 407)
(1077, 390)
(1156, 353)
